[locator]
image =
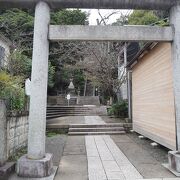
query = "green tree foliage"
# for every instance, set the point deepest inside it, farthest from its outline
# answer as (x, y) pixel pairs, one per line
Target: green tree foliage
(142, 17)
(69, 17)
(51, 74)
(19, 64)
(63, 54)
(79, 79)
(119, 109)
(17, 25)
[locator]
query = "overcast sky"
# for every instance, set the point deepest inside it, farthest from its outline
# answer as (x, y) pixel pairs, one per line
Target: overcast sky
(94, 15)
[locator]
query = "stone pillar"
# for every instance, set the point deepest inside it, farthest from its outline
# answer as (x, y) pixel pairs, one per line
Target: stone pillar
(3, 133)
(175, 22)
(174, 156)
(37, 163)
(39, 78)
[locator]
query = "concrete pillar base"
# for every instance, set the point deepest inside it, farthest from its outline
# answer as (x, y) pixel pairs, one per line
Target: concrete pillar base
(35, 168)
(174, 162)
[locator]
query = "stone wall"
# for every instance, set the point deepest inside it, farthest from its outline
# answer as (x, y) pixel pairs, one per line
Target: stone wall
(88, 100)
(13, 131)
(17, 132)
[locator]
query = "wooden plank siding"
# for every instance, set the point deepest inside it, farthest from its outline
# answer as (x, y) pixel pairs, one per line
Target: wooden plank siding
(153, 97)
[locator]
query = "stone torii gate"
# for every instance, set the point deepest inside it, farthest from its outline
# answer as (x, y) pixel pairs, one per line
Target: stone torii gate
(37, 163)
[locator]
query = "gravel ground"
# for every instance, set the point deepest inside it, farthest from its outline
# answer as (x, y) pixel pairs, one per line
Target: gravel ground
(160, 153)
(55, 146)
(147, 159)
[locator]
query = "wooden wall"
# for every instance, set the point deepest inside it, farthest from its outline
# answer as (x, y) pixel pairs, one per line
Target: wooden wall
(153, 98)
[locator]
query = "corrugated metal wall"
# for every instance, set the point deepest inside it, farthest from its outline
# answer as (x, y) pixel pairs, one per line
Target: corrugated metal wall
(153, 98)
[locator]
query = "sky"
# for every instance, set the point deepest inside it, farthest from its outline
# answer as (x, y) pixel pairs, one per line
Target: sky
(104, 12)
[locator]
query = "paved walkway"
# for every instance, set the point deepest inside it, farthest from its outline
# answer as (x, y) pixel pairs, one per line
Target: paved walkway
(117, 157)
(105, 158)
(106, 161)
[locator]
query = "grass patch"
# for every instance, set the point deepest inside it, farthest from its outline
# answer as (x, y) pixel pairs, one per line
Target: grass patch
(18, 154)
(55, 132)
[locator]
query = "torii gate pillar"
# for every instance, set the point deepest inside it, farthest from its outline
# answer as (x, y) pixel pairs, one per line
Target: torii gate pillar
(37, 163)
(174, 156)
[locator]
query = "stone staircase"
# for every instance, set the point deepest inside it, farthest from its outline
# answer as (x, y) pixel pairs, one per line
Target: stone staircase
(76, 100)
(62, 111)
(96, 129)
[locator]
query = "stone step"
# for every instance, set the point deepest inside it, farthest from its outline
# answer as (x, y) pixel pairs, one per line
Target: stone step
(97, 125)
(69, 108)
(59, 108)
(63, 111)
(64, 115)
(67, 111)
(61, 126)
(68, 114)
(57, 126)
(96, 133)
(104, 129)
(56, 106)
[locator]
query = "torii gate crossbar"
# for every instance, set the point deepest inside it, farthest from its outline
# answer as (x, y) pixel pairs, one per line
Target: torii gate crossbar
(111, 33)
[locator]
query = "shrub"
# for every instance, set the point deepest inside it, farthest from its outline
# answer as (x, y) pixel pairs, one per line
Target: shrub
(11, 88)
(119, 109)
(19, 64)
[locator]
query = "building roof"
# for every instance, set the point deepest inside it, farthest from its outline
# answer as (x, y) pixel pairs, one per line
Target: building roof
(147, 47)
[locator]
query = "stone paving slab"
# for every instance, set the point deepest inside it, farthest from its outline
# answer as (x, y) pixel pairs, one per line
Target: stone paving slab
(74, 150)
(73, 164)
(110, 163)
(75, 140)
(93, 120)
(55, 146)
